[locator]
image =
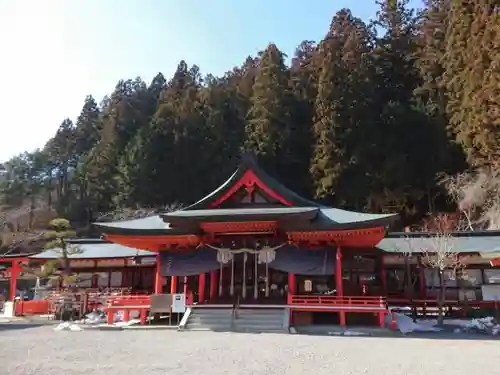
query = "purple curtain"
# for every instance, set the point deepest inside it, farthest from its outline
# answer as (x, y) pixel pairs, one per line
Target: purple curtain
(288, 259)
(187, 263)
(308, 262)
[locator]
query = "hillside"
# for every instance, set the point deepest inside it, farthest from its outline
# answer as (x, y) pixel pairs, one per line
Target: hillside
(362, 120)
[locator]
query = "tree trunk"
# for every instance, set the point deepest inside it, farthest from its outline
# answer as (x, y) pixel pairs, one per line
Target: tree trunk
(409, 289)
(441, 298)
(66, 262)
(67, 307)
(32, 211)
(49, 190)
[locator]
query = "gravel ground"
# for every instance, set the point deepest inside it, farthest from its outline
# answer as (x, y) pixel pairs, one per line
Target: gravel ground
(43, 351)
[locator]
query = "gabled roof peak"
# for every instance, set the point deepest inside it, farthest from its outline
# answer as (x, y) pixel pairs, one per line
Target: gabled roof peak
(248, 175)
(248, 158)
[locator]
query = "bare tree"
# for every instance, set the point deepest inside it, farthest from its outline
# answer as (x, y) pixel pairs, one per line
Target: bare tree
(440, 253)
(409, 253)
(477, 196)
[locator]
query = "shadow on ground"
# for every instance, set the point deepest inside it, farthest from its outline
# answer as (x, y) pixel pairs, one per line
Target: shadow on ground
(17, 326)
(372, 332)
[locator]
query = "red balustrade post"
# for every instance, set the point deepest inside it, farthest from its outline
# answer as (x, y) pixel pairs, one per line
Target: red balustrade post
(201, 288)
(213, 285)
(158, 278)
(292, 283)
(185, 289)
(338, 282)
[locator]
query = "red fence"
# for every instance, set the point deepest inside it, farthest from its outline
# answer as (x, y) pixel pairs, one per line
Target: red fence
(336, 301)
(132, 300)
(36, 307)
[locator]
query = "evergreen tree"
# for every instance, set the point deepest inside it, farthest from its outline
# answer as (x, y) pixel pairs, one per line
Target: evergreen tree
(88, 127)
(471, 79)
(270, 128)
(456, 70)
(343, 88)
(364, 119)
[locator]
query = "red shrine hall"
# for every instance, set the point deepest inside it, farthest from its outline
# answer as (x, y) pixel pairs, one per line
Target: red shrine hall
(254, 243)
(254, 240)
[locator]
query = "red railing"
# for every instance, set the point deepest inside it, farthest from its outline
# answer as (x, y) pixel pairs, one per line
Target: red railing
(130, 300)
(36, 307)
(336, 301)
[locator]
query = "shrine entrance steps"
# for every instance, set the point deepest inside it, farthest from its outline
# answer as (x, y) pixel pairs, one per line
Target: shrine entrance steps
(244, 319)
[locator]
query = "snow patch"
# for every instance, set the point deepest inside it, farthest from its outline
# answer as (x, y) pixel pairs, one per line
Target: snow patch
(406, 324)
(99, 317)
(68, 326)
(347, 333)
(486, 325)
(131, 322)
(355, 333)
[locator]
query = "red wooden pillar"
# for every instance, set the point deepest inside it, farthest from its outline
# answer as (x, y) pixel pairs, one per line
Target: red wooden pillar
(173, 284)
(185, 290)
(292, 289)
(158, 279)
(213, 285)
(338, 282)
(292, 283)
(201, 287)
(14, 271)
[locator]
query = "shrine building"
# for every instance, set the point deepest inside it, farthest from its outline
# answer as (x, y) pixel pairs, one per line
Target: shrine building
(253, 243)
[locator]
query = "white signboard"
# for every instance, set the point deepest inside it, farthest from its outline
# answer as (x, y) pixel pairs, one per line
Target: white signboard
(178, 303)
(491, 292)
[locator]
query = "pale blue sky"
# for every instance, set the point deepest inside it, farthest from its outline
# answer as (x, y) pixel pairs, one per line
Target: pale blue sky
(55, 52)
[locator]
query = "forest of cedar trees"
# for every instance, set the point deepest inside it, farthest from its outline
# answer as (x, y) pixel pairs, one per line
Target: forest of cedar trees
(370, 118)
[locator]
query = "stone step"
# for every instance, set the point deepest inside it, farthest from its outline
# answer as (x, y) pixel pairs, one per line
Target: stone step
(259, 316)
(212, 313)
(260, 311)
(221, 326)
(247, 320)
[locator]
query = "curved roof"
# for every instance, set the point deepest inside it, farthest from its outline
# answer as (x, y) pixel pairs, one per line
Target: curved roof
(458, 242)
(151, 225)
(248, 162)
(150, 222)
(238, 214)
(303, 214)
(94, 249)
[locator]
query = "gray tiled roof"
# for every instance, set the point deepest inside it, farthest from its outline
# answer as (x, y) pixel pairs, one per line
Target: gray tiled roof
(240, 211)
(321, 218)
(150, 222)
(345, 217)
(95, 250)
(457, 244)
